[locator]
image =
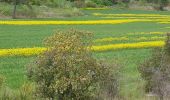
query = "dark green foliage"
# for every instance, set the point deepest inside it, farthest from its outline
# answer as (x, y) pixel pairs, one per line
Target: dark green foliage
(90, 3)
(104, 2)
(67, 70)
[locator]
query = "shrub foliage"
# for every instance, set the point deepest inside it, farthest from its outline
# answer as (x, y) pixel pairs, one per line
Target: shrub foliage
(155, 71)
(68, 71)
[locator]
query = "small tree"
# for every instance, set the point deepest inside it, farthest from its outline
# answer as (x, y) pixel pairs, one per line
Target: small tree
(15, 8)
(24, 2)
(67, 70)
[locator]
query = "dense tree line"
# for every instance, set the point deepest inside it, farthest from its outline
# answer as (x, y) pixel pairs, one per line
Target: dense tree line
(104, 2)
(160, 3)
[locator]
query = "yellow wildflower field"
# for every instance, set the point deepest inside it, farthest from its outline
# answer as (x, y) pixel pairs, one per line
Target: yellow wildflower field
(132, 15)
(38, 50)
(163, 19)
(109, 39)
(128, 45)
(149, 41)
(21, 51)
(89, 22)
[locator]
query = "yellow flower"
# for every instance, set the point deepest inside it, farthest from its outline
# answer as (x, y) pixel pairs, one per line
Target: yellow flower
(126, 38)
(89, 22)
(38, 50)
(128, 45)
(132, 15)
(111, 39)
(22, 51)
(136, 17)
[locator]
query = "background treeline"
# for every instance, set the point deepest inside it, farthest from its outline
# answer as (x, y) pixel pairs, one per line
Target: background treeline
(97, 2)
(54, 8)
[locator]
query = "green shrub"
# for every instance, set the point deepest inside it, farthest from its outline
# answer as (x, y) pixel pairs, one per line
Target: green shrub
(147, 69)
(58, 3)
(104, 2)
(89, 3)
(67, 70)
(72, 12)
(155, 71)
(25, 11)
(5, 9)
(22, 10)
(79, 3)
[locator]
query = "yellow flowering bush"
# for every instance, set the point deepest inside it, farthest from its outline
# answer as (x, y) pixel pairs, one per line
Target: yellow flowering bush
(68, 71)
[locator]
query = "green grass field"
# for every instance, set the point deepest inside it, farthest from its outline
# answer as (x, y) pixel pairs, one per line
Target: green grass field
(131, 84)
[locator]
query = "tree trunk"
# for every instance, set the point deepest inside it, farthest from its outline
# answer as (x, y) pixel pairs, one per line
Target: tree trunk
(14, 10)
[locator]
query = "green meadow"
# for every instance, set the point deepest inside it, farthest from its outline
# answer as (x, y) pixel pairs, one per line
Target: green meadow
(131, 84)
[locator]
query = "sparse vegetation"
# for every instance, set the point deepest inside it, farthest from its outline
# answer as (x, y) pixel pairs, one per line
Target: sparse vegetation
(156, 72)
(25, 92)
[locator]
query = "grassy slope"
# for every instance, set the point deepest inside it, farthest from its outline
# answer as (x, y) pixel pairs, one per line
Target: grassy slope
(13, 68)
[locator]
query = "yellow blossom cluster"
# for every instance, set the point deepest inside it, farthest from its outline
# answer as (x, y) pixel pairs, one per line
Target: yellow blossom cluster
(22, 51)
(128, 45)
(38, 50)
(89, 22)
